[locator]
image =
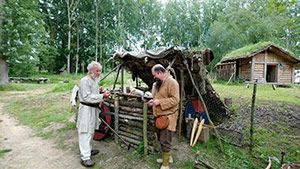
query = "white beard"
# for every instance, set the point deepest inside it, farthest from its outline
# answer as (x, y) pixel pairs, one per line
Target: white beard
(96, 79)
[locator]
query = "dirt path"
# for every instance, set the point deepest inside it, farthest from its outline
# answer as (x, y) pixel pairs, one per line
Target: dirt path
(29, 151)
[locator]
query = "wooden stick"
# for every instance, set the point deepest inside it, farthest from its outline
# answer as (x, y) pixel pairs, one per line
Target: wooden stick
(131, 103)
(198, 132)
(110, 72)
(230, 78)
(126, 103)
(270, 164)
(116, 78)
(138, 138)
(130, 117)
(130, 140)
(130, 130)
(131, 123)
(252, 116)
(136, 130)
(145, 122)
(132, 109)
(181, 102)
(122, 79)
(136, 114)
(116, 117)
(193, 131)
(204, 105)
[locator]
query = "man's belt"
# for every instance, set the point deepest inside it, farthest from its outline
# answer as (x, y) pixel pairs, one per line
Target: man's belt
(91, 104)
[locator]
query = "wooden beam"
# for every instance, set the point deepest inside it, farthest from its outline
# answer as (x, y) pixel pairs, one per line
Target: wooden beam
(145, 122)
(116, 117)
(181, 102)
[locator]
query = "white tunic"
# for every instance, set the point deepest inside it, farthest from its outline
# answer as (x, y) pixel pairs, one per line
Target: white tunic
(88, 116)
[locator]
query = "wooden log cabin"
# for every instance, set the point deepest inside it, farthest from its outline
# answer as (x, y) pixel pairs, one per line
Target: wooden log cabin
(265, 61)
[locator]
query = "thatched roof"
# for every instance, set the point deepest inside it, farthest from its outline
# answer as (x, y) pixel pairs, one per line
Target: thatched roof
(140, 64)
(252, 50)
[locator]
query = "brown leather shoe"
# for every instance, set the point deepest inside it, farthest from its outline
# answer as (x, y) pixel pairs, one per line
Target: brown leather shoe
(87, 163)
(94, 152)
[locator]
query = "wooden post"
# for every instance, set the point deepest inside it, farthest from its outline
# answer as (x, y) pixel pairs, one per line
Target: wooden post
(252, 70)
(265, 65)
(137, 82)
(181, 102)
(116, 104)
(116, 78)
(114, 69)
(122, 80)
(145, 122)
(252, 115)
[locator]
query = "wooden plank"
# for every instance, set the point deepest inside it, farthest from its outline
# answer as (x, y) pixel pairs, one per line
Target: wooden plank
(181, 102)
(252, 70)
(145, 122)
(116, 117)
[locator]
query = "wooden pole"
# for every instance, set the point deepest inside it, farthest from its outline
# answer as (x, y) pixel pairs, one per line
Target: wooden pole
(122, 80)
(117, 78)
(145, 122)
(116, 117)
(109, 73)
(204, 105)
(181, 102)
(252, 115)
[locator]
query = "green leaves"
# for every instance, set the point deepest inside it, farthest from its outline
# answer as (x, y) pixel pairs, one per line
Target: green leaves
(35, 32)
(25, 38)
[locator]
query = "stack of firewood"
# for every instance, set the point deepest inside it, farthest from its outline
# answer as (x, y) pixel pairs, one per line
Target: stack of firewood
(130, 121)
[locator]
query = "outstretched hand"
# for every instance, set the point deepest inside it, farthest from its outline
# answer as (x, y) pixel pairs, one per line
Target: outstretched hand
(106, 94)
(154, 102)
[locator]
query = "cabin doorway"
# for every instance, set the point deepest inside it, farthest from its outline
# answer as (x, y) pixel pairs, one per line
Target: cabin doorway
(271, 73)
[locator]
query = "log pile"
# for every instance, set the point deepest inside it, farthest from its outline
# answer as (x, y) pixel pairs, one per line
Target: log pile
(134, 122)
(28, 80)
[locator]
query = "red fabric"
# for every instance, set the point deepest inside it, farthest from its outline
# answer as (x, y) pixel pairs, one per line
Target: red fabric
(198, 106)
(103, 129)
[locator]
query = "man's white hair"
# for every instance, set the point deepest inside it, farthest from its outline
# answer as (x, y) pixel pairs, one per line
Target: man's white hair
(92, 65)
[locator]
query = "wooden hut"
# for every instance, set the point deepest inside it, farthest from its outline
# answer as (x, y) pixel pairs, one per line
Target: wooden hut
(264, 61)
(133, 120)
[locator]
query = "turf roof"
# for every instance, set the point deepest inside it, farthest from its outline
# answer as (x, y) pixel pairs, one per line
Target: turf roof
(250, 50)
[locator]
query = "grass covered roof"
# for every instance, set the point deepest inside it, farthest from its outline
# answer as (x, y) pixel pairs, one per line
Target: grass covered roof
(253, 49)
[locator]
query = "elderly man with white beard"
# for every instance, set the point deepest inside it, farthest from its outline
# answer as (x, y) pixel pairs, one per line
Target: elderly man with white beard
(90, 101)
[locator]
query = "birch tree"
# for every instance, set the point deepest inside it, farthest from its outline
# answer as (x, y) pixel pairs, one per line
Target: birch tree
(71, 7)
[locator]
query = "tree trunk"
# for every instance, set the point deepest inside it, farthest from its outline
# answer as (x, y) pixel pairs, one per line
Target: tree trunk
(77, 52)
(3, 72)
(3, 64)
(69, 38)
(97, 30)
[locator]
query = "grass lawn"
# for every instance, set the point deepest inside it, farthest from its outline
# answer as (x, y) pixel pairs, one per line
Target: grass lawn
(46, 109)
(264, 92)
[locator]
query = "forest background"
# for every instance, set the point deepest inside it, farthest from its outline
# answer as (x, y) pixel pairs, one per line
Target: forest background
(49, 36)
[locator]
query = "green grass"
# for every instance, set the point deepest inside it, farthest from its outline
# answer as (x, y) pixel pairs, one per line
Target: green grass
(232, 158)
(3, 151)
(264, 92)
(38, 112)
(247, 50)
(21, 87)
(270, 143)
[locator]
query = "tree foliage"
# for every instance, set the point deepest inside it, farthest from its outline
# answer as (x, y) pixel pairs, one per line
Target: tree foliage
(25, 40)
(36, 31)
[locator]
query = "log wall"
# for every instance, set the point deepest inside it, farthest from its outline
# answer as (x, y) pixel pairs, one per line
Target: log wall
(134, 122)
